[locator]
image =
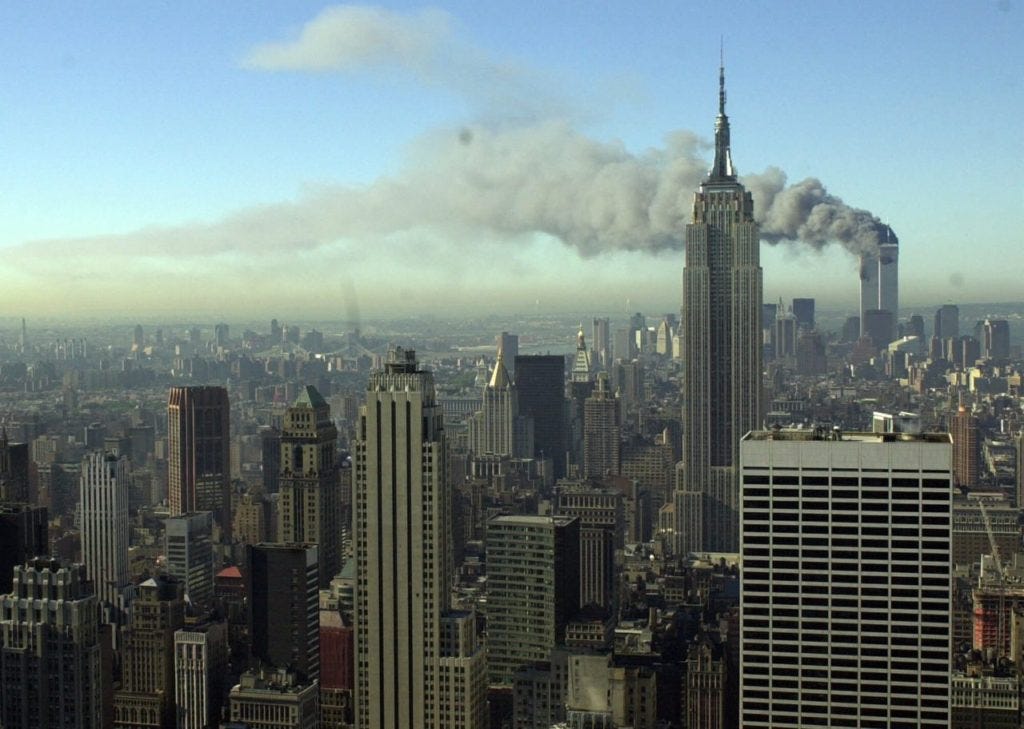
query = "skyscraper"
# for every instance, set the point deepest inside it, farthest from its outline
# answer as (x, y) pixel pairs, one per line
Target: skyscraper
(540, 383)
(50, 650)
(200, 664)
(309, 506)
(996, 339)
(879, 278)
(581, 385)
(947, 322)
(803, 310)
(602, 431)
(336, 669)
(601, 514)
(963, 428)
(601, 343)
(103, 508)
(497, 427)
(146, 697)
(14, 458)
(409, 664)
(23, 535)
(722, 292)
(284, 608)
(845, 607)
(189, 552)
(533, 589)
(198, 477)
(1020, 469)
(877, 325)
(508, 348)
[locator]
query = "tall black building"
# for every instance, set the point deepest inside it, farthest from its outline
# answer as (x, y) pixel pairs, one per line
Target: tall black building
(282, 583)
(13, 470)
(540, 380)
(23, 532)
(803, 310)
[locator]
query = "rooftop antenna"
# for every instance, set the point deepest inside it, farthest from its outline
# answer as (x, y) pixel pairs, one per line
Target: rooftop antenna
(721, 74)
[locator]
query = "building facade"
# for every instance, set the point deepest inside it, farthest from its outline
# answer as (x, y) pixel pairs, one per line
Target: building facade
(188, 548)
(540, 387)
(200, 663)
(532, 589)
(282, 583)
(23, 535)
(879, 283)
(497, 428)
(198, 452)
(147, 697)
(103, 510)
(845, 607)
(309, 506)
(947, 322)
(508, 349)
(601, 515)
(50, 673)
(722, 296)
(602, 431)
(963, 427)
(405, 673)
(275, 700)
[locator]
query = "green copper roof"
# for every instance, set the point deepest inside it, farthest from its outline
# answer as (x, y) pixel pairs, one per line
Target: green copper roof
(309, 397)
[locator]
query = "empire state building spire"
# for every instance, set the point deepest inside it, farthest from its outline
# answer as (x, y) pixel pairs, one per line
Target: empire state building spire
(722, 169)
(721, 323)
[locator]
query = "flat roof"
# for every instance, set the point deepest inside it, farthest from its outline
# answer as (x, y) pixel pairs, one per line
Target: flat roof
(824, 434)
(529, 520)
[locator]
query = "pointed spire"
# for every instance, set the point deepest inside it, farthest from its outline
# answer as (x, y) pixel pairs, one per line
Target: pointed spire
(499, 377)
(721, 77)
(722, 169)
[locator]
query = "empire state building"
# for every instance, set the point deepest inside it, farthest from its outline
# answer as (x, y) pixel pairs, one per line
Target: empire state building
(721, 314)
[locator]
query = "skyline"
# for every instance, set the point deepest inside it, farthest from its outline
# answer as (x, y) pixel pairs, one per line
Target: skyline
(310, 149)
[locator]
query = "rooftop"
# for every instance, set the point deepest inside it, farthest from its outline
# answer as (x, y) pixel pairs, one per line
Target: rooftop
(825, 434)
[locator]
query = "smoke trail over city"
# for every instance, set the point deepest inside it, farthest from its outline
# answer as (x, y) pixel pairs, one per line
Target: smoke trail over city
(460, 184)
(522, 171)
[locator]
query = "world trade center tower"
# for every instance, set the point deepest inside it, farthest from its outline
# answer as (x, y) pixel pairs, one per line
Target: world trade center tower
(722, 288)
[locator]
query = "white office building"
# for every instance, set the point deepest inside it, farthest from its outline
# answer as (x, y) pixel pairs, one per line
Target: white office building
(845, 608)
(103, 514)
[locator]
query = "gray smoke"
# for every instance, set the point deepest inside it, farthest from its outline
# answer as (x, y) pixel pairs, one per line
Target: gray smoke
(461, 185)
(808, 213)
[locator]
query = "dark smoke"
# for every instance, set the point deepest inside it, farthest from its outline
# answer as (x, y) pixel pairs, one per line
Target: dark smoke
(808, 213)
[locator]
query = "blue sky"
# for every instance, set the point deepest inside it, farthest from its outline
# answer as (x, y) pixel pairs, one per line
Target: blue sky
(273, 158)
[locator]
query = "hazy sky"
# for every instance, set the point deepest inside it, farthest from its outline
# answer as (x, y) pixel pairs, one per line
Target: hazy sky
(301, 159)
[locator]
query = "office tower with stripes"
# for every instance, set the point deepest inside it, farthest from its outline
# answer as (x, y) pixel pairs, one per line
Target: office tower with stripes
(103, 511)
(844, 598)
(418, 663)
(198, 444)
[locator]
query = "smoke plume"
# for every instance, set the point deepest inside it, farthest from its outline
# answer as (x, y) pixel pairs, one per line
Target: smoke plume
(462, 184)
(808, 213)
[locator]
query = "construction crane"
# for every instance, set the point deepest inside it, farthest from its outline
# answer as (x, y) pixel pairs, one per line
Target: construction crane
(1001, 583)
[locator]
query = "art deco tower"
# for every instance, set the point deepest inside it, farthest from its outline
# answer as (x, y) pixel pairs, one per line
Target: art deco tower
(309, 508)
(498, 428)
(418, 663)
(721, 348)
(103, 510)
